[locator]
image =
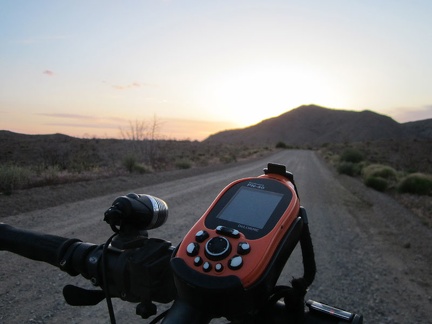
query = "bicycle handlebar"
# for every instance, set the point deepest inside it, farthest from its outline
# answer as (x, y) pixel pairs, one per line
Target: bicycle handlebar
(32, 245)
(140, 274)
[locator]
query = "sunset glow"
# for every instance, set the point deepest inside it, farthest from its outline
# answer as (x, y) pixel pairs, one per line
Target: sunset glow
(88, 69)
(249, 94)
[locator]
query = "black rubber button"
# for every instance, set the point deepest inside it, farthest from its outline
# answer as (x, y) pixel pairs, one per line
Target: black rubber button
(243, 248)
(198, 261)
(228, 231)
(217, 248)
(192, 249)
(207, 266)
(235, 263)
(201, 236)
(219, 267)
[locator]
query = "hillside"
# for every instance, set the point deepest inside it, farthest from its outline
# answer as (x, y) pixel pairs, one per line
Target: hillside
(405, 146)
(313, 126)
(421, 129)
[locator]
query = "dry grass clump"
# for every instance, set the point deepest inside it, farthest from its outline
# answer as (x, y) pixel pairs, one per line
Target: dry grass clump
(379, 177)
(379, 170)
(13, 177)
(416, 183)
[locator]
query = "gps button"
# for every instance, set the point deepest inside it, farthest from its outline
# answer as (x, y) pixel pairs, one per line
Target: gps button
(227, 231)
(218, 267)
(201, 236)
(235, 263)
(217, 248)
(198, 261)
(207, 266)
(192, 249)
(243, 248)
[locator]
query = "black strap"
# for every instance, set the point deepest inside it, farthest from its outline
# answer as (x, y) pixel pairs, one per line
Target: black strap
(294, 295)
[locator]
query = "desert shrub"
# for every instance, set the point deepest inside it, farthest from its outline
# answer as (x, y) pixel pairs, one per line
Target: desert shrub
(379, 170)
(379, 177)
(129, 162)
(377, 183)
(51, 174)
(228, 158)
(416, 183)
(13, 177)
(141, 168)
(349, 168)
(183, 164)
(281, 145)
(83, 157)
(352, 155)
(329, 156)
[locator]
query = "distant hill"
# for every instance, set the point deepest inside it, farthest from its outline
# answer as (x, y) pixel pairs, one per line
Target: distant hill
(419, 129)
(314, 125)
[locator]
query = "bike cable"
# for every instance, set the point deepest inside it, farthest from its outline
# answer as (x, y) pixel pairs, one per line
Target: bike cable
(294, 296)
(159, 317)
(105, 279)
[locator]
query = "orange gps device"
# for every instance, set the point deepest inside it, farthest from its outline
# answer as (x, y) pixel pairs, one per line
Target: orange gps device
(233, 255)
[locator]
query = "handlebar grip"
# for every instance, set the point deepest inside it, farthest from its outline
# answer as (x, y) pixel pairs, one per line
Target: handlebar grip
(32, 245)
(183, 313)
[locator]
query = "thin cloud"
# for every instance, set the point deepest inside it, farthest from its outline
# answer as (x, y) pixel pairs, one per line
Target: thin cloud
(48, 73)
(127, 86)
(132, 85)
(88, 118)
(91, 125)
(71, 116)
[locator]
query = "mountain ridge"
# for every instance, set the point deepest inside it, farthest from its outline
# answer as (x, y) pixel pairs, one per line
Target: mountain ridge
(304, 125)
(315, 125)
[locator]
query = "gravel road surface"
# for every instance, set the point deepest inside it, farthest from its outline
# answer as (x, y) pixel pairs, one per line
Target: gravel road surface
(373, 256)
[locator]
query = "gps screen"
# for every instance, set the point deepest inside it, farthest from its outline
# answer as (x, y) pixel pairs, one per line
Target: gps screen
(251, 207)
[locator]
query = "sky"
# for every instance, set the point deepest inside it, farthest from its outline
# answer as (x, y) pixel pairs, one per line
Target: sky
(93, 68)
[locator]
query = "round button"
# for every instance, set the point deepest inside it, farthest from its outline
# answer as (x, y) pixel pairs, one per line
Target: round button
(201, 236)
(207, 266)
(217, 248)
(235, 263)
(243, 248)
(218, 267)
(198, 261)
(192, 249)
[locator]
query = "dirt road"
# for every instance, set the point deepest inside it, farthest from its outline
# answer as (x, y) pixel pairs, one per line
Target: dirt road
(373, 256)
